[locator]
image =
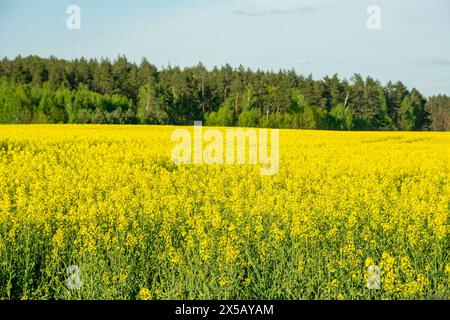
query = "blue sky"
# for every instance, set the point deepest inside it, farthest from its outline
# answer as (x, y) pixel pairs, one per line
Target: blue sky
(312, 36)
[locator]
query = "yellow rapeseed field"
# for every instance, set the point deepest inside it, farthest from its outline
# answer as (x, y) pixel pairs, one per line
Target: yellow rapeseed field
(101, 212)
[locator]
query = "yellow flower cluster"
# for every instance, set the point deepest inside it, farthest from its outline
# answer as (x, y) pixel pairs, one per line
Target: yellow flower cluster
(109, 200)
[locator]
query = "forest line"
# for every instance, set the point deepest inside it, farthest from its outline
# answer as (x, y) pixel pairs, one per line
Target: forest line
(51, 90)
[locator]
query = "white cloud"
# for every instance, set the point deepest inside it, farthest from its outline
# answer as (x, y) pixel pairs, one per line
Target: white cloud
(275, 11)
(436, 61)
(301, 61)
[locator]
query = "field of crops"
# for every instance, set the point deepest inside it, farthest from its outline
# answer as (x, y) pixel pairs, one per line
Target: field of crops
(101, 212)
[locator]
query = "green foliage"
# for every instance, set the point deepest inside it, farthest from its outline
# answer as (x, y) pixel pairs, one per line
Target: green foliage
(439, 109)
(248, 118)
(223, 117)
(151, 107)
(341, 117)
(38, 90)
(407, 115)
